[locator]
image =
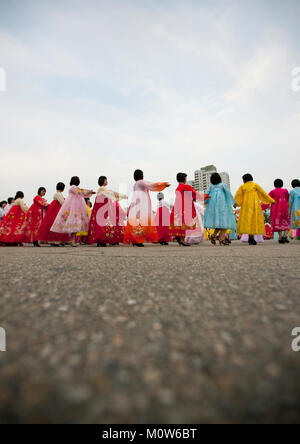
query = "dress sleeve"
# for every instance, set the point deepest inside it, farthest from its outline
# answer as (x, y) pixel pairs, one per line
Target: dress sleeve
(112, 195)
(263, 196)
(85, 193)
(156, 186)
(239, 197)
(40, 201)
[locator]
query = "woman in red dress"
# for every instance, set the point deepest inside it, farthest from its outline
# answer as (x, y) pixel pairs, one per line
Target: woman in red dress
(44, 233)
(34, 218)
(162, 220)
(106, 224)
(183, 216)
(13, 225)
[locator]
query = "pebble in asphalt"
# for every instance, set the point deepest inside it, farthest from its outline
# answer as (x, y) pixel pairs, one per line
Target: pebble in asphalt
(153, 335)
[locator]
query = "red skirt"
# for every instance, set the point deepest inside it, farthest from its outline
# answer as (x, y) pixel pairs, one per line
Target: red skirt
(12, 226)
(44, 233)
(162, 222)
(105, 227)
(33, 221)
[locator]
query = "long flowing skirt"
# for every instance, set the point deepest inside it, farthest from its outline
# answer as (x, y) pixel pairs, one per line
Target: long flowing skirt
(44, 233)
(72, 217)
(33, 222)
(106, 225)
(12, 226)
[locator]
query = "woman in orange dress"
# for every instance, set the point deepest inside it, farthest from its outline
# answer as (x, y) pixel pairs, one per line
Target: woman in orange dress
(141, 224)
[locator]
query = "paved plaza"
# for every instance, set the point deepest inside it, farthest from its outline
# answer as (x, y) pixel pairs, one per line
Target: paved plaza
(152, 335)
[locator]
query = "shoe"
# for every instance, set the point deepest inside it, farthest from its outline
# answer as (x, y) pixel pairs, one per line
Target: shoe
(36, 244)
(166, 243)
(281, 241)
(223, 243)
(213, 239)
(252, 241)
(286, 241)
(101, 245)
(184, 244)
(138, 245)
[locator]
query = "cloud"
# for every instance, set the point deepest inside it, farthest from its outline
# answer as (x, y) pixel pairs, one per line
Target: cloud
(103, 89)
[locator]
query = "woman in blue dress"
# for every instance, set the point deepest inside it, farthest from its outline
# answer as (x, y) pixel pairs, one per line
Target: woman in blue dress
(219, 213)
(295, 205)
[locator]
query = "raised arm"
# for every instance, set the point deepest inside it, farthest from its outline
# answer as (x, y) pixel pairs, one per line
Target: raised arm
(156, 186)
(263, 196)
(40, 201)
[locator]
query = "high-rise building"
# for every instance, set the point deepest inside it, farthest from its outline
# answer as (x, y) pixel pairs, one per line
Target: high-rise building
(202, 178)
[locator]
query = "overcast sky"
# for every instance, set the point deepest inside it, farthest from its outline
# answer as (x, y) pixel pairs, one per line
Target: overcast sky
(104, 87)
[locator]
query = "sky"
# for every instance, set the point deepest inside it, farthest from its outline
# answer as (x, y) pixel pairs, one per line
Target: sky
(98, 87)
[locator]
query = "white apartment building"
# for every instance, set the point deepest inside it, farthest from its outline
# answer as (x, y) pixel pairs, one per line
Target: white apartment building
(202, 178)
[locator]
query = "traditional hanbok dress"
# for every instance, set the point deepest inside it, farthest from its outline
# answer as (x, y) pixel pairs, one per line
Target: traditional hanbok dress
(280, 213)
(183, 215)
(268, 232)
(2, 214)
(197, 235)
(251, 218)
(141, 224)
(73, 217)
(82, 235)
(34, 219)
(162, 221)
(259, 238)
(295, 209)
(44, 233)
(219, 210)
(13, 225)
(107, 220)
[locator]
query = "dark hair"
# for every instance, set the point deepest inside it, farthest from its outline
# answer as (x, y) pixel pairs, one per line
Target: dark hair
(278, 183)
(2, 203)
(181, 177)
(40, 190)
(138, 175)
(87, 199)
(101, 180)
(9, 200)
(60, 186)
(215, 179)
(296, 183)
(19, 195)
(248, 178)
(75, 181)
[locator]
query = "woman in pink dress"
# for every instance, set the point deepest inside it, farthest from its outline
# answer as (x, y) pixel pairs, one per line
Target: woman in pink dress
(280, 216)
(141, 224)
(72, 217)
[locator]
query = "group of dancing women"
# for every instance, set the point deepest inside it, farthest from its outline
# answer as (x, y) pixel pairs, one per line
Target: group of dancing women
(74, 220)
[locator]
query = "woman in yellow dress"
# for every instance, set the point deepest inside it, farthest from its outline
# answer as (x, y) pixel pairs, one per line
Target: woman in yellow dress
(251, 219)
(82, 236)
